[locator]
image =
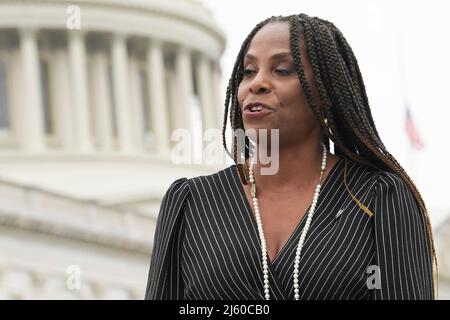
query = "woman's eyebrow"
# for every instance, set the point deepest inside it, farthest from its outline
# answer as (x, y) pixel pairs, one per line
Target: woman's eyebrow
(276, 56)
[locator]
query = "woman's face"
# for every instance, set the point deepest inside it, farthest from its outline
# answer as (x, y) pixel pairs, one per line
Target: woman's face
(270, 79)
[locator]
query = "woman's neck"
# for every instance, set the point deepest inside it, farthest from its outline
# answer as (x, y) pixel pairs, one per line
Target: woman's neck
(297, 169)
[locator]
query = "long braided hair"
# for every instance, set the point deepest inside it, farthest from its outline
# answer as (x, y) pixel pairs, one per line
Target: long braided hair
(343, 109)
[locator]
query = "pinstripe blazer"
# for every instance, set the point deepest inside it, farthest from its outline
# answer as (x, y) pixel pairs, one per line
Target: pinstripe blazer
(207, 245)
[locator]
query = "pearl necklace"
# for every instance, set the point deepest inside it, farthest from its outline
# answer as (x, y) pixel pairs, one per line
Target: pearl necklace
(302, 236)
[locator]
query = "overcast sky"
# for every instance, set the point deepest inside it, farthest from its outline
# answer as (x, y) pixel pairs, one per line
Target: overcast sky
(403, 51)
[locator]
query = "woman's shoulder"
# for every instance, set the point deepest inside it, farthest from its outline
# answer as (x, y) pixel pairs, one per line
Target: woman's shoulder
(357, 176)
(215, 177)
(391, 179)
(377, 176)
(185, 186)
(384, 185)
(178, 187)
(390, 185)
(377, 182)
(384, 193)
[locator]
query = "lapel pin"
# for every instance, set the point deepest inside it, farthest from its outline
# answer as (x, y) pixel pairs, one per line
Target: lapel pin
(338, 214)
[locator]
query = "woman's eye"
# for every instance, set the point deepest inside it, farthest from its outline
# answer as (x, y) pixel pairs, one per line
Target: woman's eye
(248, 72)
(283, 71)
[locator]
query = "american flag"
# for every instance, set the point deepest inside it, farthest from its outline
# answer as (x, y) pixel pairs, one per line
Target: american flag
(414, 137)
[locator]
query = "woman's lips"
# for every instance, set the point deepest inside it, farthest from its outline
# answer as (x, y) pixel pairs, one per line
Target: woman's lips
(256, 114)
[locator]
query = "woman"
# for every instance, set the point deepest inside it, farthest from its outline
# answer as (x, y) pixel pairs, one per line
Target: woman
(349, 225)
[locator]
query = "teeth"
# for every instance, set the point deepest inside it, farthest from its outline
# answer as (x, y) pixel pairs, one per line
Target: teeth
(256, 108)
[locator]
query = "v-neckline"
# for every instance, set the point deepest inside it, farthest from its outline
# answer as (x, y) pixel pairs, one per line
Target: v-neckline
(294, 232)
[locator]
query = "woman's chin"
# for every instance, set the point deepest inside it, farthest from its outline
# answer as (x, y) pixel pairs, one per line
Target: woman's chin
(262, 134)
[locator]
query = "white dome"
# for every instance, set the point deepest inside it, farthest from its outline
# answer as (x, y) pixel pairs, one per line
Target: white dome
(90, 92)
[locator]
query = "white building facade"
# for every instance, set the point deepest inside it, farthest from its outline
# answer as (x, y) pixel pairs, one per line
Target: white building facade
(442, 242)
(90, 93)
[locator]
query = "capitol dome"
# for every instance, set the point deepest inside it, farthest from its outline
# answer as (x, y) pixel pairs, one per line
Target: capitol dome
(90, 93)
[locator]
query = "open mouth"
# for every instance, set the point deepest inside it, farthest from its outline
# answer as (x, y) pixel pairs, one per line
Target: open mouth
(256, 111)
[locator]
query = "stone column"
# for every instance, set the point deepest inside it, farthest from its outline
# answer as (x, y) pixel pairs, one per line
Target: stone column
(80, 98)
(159, 108)
(219, 94)
(101, 100)
(63, 99)
(206, 93)
(184, 99)
(31, 128)
(121, 91)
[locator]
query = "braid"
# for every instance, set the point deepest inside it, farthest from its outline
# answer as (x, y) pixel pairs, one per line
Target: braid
(343, 108)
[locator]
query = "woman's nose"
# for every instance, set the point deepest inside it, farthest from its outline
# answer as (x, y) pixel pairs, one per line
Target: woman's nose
(260, 84)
